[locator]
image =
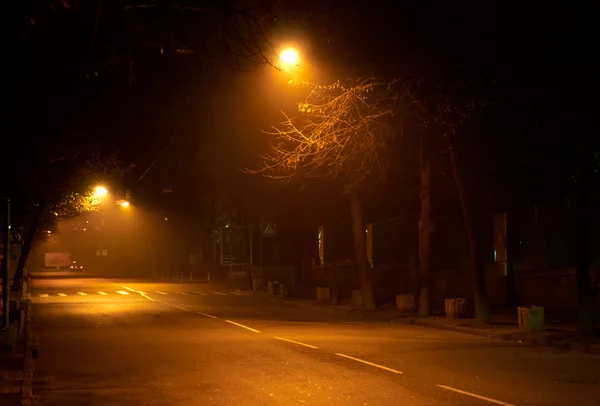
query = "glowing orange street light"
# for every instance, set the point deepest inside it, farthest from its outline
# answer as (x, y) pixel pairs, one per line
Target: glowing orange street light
(289, 56)
(125, 204)
(100, 191)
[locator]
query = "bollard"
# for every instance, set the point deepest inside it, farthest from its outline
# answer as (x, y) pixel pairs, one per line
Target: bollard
(357, 302)
(323, 293)
(405, 303)
(531, 318)
(455, 308)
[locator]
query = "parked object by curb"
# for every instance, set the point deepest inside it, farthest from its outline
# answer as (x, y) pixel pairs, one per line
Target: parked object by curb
(520, 337)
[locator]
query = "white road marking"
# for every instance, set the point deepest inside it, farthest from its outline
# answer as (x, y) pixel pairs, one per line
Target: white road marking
(200, 293)
(219, 293)
(242, 326)
(182, 293)
(207, 315)
(237, 294)
(474, 395)
(147, 297)
(61, 294)
(296, 342)
(142, 294)
(181, 308)
(368, 363)
(44, 295)
(161, 293)
(82, 293)
(102, 293)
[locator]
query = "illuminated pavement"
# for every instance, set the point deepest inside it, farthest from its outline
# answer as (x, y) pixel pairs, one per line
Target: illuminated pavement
(158, 346)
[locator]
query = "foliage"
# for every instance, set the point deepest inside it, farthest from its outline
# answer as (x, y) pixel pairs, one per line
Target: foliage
(341, 134)
(76, 181)
(219, 212)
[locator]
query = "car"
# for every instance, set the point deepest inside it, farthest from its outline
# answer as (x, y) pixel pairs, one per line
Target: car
(75, 267)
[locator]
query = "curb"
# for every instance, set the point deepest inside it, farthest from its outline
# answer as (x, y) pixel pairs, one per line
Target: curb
(308, 306)
(28, 363)
(514, 337)
(243, 292)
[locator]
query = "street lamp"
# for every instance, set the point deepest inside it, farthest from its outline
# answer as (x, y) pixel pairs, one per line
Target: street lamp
(125, 204)
(289, 56)
(100, 191)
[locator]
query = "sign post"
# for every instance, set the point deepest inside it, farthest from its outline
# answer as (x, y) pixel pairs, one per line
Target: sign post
(236, 248)
(267, 229)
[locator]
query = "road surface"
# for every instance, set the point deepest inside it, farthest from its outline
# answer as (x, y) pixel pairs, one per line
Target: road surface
(121, 342)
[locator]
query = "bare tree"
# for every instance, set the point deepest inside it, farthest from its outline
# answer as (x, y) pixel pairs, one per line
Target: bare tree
(444, 109)
(342, 133)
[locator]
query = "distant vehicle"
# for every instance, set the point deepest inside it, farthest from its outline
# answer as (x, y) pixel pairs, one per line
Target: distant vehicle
(75, 267)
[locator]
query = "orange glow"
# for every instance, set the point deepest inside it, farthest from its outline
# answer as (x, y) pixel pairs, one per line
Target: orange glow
(100, 191)
(289, 56)
(124, 204)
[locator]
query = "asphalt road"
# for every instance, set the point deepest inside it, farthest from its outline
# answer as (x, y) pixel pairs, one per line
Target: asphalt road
(122, 342)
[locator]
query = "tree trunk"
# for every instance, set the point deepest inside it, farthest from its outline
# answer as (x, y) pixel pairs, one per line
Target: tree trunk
(360, 250)
(27, 242)
(425, 232)
(476, 271)
(585, 288)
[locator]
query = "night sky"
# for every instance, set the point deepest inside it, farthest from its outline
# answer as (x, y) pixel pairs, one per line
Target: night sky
(199, 116)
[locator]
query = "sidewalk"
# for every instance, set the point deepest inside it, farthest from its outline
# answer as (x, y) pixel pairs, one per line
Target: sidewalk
(11, 376)
(16, 365)
(504, 326)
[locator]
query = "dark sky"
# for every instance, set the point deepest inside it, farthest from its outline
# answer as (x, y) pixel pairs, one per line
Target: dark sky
(532, 58)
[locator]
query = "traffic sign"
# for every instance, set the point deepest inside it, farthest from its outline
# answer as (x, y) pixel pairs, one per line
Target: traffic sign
(269, 229)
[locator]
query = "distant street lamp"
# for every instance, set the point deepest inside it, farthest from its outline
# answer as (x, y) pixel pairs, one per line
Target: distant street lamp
(125, 204)
(100, 191)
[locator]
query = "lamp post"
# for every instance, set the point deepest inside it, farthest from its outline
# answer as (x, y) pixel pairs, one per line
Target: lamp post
(5, 252)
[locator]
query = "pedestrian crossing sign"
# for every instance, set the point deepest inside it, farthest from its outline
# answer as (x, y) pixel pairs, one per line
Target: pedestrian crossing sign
(269, 229)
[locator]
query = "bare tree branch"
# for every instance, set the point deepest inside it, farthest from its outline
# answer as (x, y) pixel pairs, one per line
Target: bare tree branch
(340, 134)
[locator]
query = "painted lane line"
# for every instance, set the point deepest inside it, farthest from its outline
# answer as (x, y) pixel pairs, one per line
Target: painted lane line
(242, 326)
(61, 294)
(102, 293)
(142, 294)
(44, 295)
(219, 293)
(161, 293)
(182, 293)
(181, 308)
(368, 363)
(82, 293)
(296, 342)
(201, 293)
(207, 315)
(237, 294)
(474, 395)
